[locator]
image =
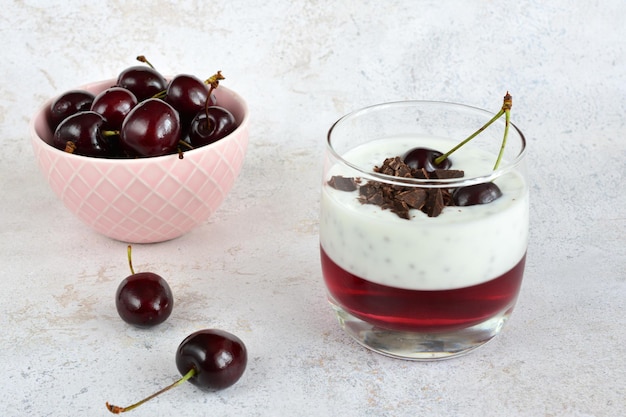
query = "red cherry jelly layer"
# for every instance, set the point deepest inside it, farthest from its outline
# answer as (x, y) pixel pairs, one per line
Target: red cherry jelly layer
(421, 311)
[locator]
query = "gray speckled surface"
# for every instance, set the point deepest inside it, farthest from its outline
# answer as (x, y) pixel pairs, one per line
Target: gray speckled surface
(253, 268)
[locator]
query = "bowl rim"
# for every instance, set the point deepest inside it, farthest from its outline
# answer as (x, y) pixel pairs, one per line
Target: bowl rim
(243, 125)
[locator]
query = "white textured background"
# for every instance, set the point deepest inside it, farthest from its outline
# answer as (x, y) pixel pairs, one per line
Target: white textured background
(253, 268)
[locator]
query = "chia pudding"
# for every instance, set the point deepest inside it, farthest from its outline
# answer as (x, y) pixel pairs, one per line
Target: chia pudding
(423, 273)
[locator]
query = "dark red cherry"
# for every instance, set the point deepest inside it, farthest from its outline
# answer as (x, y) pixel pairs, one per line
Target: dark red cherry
(151, 128)
(143, 81)
(144, 299)
(419, 158)
(471, 195)
(210, 359)
(210, 126)
(188, 95)
(82, 133)
(67, 104)
(114, 104)
(218, 357)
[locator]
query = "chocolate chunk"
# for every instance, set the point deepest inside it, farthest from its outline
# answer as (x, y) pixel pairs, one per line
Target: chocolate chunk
(385, 168)
(421, 174)
(447, 198)
(394, 166)
(371, 193)
(414, 197)
(397, 198)
(342, 183)
(400, 168)
(401, 209)
(434, 203)
(444, 174)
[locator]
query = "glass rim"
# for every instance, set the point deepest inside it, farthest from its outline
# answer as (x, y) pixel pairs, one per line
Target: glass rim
(417, 182)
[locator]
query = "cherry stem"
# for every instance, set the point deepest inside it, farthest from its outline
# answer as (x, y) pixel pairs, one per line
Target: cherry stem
(506, 110)
(70, 146)
(117, 410)
(130, 260)
(181, 144)
(109, 133)
(441, 158)
(506, 107)
(143, 59)
(185, 144)
(214, 82)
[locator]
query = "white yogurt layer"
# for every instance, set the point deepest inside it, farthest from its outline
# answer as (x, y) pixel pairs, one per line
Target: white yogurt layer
(461, 247)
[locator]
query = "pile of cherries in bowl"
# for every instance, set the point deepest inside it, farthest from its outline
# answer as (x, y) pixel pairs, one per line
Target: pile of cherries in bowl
(142, 157)
(143, 115)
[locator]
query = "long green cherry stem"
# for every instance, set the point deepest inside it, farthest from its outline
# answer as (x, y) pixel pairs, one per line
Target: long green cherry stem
(506, 106)
(130, 259)
(117, 410)
(506, 110)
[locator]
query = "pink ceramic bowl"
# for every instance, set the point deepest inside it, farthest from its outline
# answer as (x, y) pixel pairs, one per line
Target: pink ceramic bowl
(145, 200)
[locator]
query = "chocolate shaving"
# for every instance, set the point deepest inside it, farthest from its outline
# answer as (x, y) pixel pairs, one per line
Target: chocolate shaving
(434, 203)
(371, 193)
(394, 167)
(342, 183)
(399, 199)
(421, 174)
(414, 197)
(445, 174)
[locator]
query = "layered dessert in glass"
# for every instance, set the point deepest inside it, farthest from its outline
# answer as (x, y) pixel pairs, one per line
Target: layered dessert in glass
(409, 280)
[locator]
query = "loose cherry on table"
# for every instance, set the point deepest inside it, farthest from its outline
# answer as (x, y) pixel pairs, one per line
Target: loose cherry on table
(218, 357)
(143, 299)
(210, 359)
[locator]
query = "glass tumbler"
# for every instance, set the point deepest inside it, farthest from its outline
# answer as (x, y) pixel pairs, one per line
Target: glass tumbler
(411, 270)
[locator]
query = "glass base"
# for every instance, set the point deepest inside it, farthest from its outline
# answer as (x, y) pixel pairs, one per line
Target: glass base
(420, 346)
